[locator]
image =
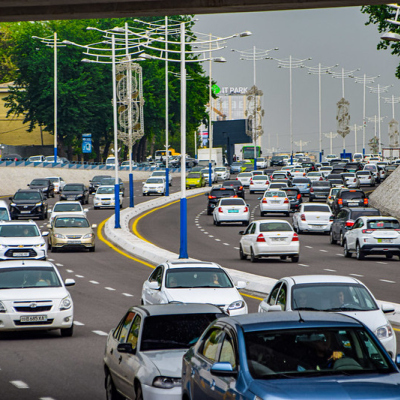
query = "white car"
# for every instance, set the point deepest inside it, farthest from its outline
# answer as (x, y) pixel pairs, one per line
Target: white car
(105, 197)
(58, 183)
(262, 163)
(330, 157)
(162, 174)
(259, 183)
(326, 170)
(67, 207)
(358, 157)
(352, 180)
(313, 217)
(33, 296)
(231, 210)
(22, 240)
(284, 175)
(298, 172)
(274, 201)
(244, 177)
(277, 185)
(206, 174)
(315, 176)
(194, 282)
(154, 186)
(342, 294)
(366, 178)
(36, 159)
(373, 235)
(257, 172)
(374, 170)
(269, 238)
(222, 173)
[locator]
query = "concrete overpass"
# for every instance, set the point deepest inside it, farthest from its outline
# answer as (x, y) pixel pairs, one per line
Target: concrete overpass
(36, 10)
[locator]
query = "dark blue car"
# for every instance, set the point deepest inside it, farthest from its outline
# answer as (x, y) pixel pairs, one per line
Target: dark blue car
(289, 355)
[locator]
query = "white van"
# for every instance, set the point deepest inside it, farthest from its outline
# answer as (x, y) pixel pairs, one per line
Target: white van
(110, 161)
(357, 157)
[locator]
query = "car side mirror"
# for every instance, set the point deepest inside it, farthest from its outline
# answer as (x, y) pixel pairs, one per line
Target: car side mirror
(126, 348)
(69, 282)
(241, 285)
(241, 233)
(387, 308)
(154, 285)
(94, 226)
(222, 369)
(45, 233)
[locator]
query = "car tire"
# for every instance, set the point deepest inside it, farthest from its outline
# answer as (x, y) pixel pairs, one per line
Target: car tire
(287, 214)
(253, 258)
(217, 223)
(246, 223)
(389, 256)
(242, 256)
(95, 208)
(310, 199)
(139, 393)
(111, 391)
(251, 192)
(283, 257)
(346, 251)
(67, 332)
(209, 212)
(54, 249)
(92, 249)
(295, 259)
(331, 238)
(262, 213)
(341, 239)
(48, 246)
(359, 252)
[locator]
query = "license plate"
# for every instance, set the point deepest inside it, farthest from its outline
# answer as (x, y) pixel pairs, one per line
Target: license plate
(105, 202)
(71, 198)
(21, 254)
(317, 226)
(353, 203)
(385, 241)
(233, 211)
(73, 241)
(278, 239)
(25, 212)
(33, 318)
(275, 201)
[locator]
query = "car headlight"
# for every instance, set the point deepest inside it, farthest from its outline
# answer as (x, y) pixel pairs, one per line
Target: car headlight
(165, 382)
(145, 187)
(59, 236)
(236, 305)
(2, 307)
(66, 303)
(38, 204)
(13, 205)
(2, 246)
(384, 331)
(88, 236)
(40, 245)
(79, 195)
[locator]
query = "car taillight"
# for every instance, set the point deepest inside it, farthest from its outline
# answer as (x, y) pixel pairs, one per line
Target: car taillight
(260, 238)
(321, 178)
(303, 217)
(349, 223)
(271, 177)
(340, 201)
(286, 200)
(237, 179)
(295, 237)
(365, 201)
(264, 200)
(234, 195)
(311, 190)
(355, 180)
(246, 209)
(251, 182)
(220, 210)
(299, 196)
(368, 230)
(304, 174)
(212, 197)
(240, 187)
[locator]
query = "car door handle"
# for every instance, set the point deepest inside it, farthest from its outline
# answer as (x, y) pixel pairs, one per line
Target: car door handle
(120, 359)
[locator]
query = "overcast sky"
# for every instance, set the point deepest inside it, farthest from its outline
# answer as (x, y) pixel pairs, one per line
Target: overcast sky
(329, 36)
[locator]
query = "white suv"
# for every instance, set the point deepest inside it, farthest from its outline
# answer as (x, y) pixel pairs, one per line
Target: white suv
(373, 235)
(22, 240)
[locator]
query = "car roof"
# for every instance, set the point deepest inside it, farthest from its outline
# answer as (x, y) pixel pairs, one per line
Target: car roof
(177, 308)
(72, 215)
(13, 222)
(302, 279)
(372, 217)
(191, 264)
(26, 263)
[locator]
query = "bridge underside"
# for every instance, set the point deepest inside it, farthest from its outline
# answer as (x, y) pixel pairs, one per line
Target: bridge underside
(36, 10)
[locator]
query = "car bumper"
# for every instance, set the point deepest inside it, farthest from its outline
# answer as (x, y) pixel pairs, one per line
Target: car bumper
(30, 253)
(292, 249)
(317, 227)
(154, 191)
(275, 208)
(319, 196)
(233, 218)
(381, 249)
(72, 243)
(153, 393)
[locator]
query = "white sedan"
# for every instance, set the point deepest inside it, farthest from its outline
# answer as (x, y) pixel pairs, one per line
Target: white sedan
(259, 183)
(194, 282)
(162, 174)
(58, 183)
(67, 207)
(231, 210)
(269, 238)
(313, 217)
(315, 176)
(154, 185)
(274, 201)
(33, 296)
(352, 180)
(366, 178)
(245, 177)
(222, 173)
(105, 197)
(298, 172)
(342, 294)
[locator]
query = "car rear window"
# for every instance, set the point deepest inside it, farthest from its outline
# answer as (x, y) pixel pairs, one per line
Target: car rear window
(321, 184)
(383, 224)
(356, 214)
(371, 167)
(275, 227)
(232, 202)
(223, 192)
(316, 208)
(292, 192)
(352, 195)
(275, 193)
(300, 180)
(366, 173)
(260, 178)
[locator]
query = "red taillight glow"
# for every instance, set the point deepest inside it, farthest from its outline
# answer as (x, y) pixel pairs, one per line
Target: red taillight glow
(212, 197)
(260, 238)
(240, 187)
(303, 217)
(299, 196)
(264, 200)
(368, 230)
(311, 190)
(321, 178)
(365, 201)
(295, 237)
(220, 210)
(340, 201)
(286, 201)
(349, 223)
(246, 209)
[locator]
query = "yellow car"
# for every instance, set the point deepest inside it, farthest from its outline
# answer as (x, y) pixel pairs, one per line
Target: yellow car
(195, 180)
(248, 166)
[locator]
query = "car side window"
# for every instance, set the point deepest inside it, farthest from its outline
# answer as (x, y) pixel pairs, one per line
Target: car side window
(358, 224)
(211, 344)
(247, 231)
(134, 331)
(274, 294)
(156, 276)
(253, 229)
(122, 329)
(228, 353)
(282, 297)
(342, 214)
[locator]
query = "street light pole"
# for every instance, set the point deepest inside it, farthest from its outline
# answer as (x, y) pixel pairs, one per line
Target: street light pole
(330, 136)
(166, 112)
(356, 128)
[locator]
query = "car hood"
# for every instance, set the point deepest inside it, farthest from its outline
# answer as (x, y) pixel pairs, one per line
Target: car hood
(33, 294)
(22, 202)
(105, 196)
(168, 362)
(73, 230)
(22, 241)
(372, 319)
(38, 186)
(193, 179)
(217, 296)
(372, 386)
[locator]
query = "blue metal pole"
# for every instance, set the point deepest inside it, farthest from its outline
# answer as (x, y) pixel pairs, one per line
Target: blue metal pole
(131, 193)
(55, 155)
(209, 174)
(167, 181)
(255, 164)
(117, 207)
(183, 253)
(320, 156)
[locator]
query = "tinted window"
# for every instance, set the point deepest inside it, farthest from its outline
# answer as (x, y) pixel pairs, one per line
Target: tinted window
(105, 190)
(275, 227)
(232, 202)
(356, 214)
(300, 180)
(74, 222)
(194, 175)
(27, 196)
(383, 224)
(19, 231)
(20, 277)
(73, 188)
(352, 195)
(43, 182)
(321, 184)
(65, 207)
(316, 208)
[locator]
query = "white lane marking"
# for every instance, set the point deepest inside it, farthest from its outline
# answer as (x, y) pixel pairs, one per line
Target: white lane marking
(50, 259)
(79, 276)
(324, 251)
(385, 280)
(70, 270)
(202, 230)
(217, 240)
(381, 262)
(59, 265)
(127, 294)
(226, 244)
(210, 236)
(236, 248)
(303, 265)
(308, 247)
(360, 276)
(94, 282)
(330, 270)
(19, 384)
(109, 288)
(206, 233)
(340, 254)
(100, 333)
(46, 398)
(77, 323)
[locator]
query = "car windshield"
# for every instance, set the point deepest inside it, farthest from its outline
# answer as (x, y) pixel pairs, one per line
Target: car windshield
(158, 173)
(19, 231)
(53, 179)
(193, 175)
(220, 169)
(4, 214)
(352, 195)
(166, 332)
(232, 202)
(35, 158)
(71, 222)
(41, 182)
(316, 208)
(98, 178)
(285, 354)
(28, 277)
(27, 196)
(383, 224)
(275, 193)
(275, 227)
(155, 180)
(300, 180)
(73, 188)
(197, 278)
(105, 190)
(279, 176)
(366, 173)
(321, 184)
(67, 207)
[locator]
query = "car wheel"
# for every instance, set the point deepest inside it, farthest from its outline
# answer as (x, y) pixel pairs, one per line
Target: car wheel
(262, 213)
(283, 257)
(139, 393)
(111, 391)
(389, 256)
(217, 223)
(359, 252)
(331, 238)
(346, 251)
(245, 223)
(95, 208)
(310, 199)
(49, 246)
(92, 249)
(295, 259)
(67, 332)
(209, 211)
(251, 192)
(242, 256)
(54, 249)
(253, 258)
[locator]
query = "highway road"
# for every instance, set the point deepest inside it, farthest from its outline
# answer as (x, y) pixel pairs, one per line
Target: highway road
(45, 366)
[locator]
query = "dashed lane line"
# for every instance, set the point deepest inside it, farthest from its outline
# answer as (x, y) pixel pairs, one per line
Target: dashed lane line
(386, 281)
(357, 275)
(20, 384)
(100, 333)
(109, 288)
(330, 270)
(324, 251)
(94, 282)
(127, 294)
(77, 323)
(308, 247)
(381, 262)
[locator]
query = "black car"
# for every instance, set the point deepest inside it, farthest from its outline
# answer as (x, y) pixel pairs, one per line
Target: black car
(28, 203)
(12, 157)
(320, 190)
(294, 196)
(44, 184)
(349, 198)
(218, 193)
(344, 220)
(338, 170)
(76, 192)
(277, 161)
(354, 167)
(237, 185)
(332, 177)
(94, 183)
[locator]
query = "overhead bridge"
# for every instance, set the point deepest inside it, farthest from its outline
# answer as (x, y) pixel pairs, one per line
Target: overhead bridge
(36, 10)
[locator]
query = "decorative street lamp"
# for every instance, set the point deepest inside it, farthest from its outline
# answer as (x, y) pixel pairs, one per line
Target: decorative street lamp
(301, 143)
(393, 124)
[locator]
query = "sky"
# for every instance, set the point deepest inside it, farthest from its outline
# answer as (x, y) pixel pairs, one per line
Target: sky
(329, 36)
